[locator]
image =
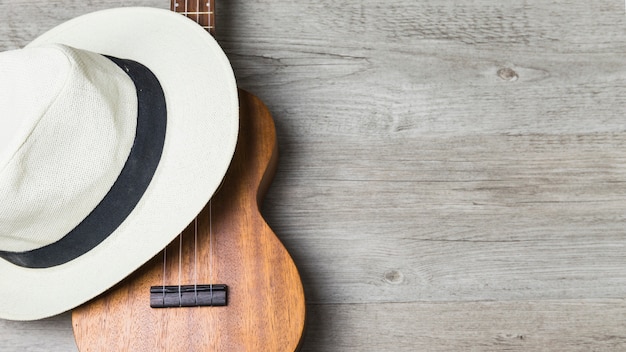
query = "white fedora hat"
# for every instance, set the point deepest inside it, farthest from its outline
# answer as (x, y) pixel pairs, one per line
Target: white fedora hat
(116, 128)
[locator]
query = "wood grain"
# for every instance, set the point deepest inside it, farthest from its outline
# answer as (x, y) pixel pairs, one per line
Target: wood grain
(229, 244)
(471, 326)
(451, 175)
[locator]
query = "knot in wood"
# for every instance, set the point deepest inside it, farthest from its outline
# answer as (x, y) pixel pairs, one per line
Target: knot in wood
(508, 74)
(393, 277)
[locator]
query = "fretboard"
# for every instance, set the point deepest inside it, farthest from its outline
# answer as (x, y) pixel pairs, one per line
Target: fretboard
(200, 11)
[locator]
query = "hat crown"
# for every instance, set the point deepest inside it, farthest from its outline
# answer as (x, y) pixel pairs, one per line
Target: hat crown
(68, 120)
(30, 81)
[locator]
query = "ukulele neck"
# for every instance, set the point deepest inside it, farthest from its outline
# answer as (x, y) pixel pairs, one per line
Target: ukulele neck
(200, 11)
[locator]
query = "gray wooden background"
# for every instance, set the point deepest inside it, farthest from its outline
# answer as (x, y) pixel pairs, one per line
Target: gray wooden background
(452, 173)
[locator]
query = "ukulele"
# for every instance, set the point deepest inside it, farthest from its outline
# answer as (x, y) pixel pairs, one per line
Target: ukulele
(226, 283)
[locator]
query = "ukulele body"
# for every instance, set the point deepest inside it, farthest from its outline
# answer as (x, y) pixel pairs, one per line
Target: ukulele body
(266, 307)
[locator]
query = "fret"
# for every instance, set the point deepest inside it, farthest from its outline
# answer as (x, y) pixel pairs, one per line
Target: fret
(199, 11)
(196, 13)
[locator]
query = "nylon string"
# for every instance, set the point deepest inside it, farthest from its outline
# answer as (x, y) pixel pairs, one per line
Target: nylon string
(195, 259)
(209, 10)
(180, 249)
(164, 271)
(180, 269)
(198, 11)
(211, 250)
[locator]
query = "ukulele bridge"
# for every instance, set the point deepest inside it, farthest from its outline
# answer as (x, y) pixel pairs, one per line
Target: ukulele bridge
(188, 296)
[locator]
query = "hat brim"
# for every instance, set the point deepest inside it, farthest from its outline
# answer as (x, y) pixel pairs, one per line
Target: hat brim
(202, 128)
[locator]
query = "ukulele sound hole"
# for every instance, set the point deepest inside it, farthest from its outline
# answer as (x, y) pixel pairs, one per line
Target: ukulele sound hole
(188, 296)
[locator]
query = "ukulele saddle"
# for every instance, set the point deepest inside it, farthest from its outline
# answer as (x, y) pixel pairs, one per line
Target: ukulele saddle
(188, 296)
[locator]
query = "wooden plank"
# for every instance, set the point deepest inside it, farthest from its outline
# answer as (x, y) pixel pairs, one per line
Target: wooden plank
(47, 335)
(469, 326)
(460, 218)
